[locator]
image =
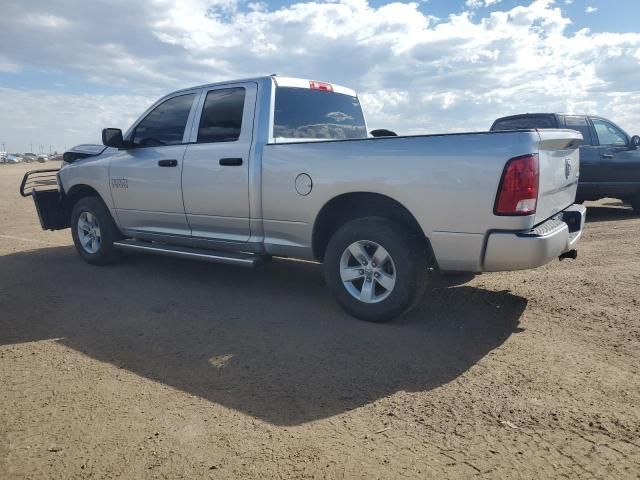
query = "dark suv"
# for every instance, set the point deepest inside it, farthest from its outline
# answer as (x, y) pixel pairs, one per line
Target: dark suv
(609, 157)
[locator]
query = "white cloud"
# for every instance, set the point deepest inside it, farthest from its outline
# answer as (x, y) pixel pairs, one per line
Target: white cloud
(62, 120)
(481, 3)
(8, 66)
(591, 9)
(43, 21)
(415, 73)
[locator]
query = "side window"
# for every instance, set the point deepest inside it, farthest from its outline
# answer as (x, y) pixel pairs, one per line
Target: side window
(165, 124)
(609, 134)
(221, 119)
(580, 124)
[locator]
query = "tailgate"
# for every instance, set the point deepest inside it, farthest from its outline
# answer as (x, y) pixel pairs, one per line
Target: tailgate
(559, 157)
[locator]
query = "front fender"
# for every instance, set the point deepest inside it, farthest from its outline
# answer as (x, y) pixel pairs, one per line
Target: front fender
(92, 172)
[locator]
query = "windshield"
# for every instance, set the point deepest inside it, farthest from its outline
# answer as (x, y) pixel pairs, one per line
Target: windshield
(302, 113)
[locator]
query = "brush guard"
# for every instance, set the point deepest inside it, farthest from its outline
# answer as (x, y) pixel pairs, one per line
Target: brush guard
(44, 187)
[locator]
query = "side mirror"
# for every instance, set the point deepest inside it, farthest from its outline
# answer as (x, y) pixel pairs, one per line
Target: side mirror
(635, 141)
(112, 137)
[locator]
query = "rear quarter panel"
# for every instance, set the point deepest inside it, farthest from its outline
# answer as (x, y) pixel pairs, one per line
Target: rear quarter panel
(448, 183)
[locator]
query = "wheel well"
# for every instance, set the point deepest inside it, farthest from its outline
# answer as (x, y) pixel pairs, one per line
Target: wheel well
(350, 206)
(76, 193)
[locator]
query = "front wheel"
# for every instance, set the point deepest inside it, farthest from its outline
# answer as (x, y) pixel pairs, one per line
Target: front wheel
(94, 231)
(377, 269)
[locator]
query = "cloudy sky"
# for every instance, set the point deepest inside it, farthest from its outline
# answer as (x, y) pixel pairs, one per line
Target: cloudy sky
(71, 67)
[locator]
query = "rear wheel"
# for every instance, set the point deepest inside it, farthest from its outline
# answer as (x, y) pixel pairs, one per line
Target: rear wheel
(376, 269)
(94, 231)
(635, 203)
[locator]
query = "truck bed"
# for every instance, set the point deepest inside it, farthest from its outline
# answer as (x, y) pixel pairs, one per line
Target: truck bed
(448, 182)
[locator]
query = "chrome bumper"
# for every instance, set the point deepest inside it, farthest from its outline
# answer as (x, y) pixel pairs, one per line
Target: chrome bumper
(534, 248)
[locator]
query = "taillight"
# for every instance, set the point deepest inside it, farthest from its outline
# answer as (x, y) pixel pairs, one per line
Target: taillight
(327, 87)
(518, 191)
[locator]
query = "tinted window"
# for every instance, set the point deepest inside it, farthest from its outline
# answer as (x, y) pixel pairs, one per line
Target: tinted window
(306, 113)
(221, 119)
(525, 123)
(165, 124)
(580, 124)
(609, 134)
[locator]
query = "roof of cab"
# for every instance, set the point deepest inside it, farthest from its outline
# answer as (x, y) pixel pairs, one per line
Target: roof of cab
(278, 80)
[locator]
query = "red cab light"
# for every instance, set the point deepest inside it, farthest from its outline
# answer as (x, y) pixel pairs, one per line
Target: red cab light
(518, 190)
(313, 85)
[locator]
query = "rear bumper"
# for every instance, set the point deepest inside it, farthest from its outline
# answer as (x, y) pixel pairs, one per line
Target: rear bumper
(534, 248)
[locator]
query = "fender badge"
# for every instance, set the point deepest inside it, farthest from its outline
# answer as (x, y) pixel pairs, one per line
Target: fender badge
(119, 183)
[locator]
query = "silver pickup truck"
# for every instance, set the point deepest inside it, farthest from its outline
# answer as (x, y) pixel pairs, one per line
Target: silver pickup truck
(237, 172)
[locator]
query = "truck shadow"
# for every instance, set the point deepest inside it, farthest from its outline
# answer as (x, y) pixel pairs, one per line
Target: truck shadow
(270, 343)
(608, 212)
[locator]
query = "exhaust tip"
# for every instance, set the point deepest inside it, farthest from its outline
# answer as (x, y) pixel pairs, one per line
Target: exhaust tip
(572, 254)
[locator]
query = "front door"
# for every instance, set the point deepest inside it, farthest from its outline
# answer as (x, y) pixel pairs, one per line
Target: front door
(215, 176)
(145, 179)
(620, 162)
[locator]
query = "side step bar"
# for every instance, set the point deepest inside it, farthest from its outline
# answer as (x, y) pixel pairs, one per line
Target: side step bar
(214, 256)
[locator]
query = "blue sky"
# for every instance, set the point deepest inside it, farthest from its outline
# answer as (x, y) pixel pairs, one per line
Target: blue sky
(67, 69)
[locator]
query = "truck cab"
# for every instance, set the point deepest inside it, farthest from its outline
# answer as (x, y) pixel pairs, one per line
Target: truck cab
(609, 157)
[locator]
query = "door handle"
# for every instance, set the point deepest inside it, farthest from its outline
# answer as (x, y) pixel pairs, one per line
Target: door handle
(167, 163)
(230, 162)
(607, 155)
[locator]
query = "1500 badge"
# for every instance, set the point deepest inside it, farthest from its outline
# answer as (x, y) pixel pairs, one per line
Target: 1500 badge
(119, 183)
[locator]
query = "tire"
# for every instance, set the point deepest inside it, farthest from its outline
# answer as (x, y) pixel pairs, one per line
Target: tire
(367, 296)
(94, 243)
(635, 204)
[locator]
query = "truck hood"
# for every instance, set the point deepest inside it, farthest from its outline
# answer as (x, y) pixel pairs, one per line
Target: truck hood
(83, 151)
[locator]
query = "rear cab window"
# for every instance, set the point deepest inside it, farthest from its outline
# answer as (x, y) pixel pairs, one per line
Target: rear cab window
(525, 122)
(312, 114)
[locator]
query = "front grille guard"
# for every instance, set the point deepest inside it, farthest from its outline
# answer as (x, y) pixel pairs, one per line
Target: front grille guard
(39, 180)
(44, 187)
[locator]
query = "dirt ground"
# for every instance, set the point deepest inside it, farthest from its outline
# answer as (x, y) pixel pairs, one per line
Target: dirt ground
(165, 368)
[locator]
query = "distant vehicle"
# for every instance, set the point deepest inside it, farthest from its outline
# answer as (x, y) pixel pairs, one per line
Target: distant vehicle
(13, 159)
(609, 157)
(238, 171)
(29, 157)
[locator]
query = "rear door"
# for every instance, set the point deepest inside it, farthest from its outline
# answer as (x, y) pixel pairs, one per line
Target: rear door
(215, 177)
(146, 178)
